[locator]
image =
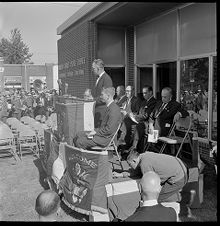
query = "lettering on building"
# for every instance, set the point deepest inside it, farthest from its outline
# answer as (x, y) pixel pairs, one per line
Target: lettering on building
(73, 67)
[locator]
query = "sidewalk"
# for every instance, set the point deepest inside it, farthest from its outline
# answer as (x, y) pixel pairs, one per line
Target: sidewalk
(20, 183)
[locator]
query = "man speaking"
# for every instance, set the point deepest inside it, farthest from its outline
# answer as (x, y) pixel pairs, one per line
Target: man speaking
(103, 81)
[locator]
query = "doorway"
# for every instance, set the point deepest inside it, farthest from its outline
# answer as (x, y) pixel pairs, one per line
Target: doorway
(145, 78)
(166, 76)
(117, 75)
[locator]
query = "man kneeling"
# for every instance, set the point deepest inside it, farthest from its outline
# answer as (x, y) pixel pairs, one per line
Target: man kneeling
(171, 170)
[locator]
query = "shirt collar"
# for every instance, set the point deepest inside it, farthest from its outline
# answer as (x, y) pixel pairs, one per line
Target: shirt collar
(150, 202)
(101, 74)
(110, 103)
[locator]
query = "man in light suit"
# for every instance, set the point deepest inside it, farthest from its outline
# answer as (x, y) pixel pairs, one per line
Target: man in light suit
(101, 136)
(142, 117)
(103, 81)
(131, 105)
(151, 210)
(121, 97)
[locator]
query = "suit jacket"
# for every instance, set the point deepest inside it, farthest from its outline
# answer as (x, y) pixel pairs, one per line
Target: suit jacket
(111, 120)
(135, 104)
(165, 118)
(146, 108)
(104, 81)
(120, 101)
(153, 213)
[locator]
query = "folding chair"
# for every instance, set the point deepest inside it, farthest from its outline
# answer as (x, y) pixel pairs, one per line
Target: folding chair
(7, 141)
(112, 146)
(178, 135)
(27, 140)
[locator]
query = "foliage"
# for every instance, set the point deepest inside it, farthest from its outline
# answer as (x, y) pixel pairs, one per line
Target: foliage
(14, 50)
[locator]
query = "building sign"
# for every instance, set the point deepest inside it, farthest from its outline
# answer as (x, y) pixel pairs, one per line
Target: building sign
(12, 81)
(73, 66)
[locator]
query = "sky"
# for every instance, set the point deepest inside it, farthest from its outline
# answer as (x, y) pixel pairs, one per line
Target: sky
(38, 23)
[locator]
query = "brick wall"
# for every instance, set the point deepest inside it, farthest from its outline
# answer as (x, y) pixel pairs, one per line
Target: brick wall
(76, 50)
(130, 56)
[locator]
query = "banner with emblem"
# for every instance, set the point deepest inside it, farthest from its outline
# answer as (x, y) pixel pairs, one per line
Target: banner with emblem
(84, 180)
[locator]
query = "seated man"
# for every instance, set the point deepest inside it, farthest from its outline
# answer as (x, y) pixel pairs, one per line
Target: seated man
(121, 97)
(102, 136)
(151, 210)
(171, 170)
(165, 113)
(47, 205)
(131, 105)
(146, 108)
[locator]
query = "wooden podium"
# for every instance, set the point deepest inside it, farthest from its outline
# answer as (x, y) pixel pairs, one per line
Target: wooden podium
(73, 117)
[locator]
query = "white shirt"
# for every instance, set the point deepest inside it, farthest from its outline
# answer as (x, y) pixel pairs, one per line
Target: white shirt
(152, 202)
(99, 78)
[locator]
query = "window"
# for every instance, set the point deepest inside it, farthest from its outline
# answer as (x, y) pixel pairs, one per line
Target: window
(194, 91)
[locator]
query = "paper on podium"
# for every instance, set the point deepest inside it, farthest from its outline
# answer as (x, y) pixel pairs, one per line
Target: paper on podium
(88, 116)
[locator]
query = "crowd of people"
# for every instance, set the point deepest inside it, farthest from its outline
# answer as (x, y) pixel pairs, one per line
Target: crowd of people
(36, 104)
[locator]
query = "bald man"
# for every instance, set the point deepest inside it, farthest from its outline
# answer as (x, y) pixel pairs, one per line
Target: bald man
(47, 205)
(151, 210)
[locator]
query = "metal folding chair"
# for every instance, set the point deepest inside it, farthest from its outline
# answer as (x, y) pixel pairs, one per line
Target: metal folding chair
(112, 146)
(178, 135)
(7, 141)
(27, 140)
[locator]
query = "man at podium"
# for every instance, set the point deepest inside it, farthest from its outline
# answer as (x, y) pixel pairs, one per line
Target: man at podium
(103, 80)
(101, 136)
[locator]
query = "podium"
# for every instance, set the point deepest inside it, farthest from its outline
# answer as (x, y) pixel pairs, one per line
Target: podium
(73, 117)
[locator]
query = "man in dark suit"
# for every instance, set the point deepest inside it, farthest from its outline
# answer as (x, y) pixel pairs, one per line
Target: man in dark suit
(102, 136)
(151, 210)
(166, 112)
(146, 108)
(103, 80)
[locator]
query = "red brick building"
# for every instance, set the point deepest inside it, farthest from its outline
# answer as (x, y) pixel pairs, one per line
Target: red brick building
(154, 43)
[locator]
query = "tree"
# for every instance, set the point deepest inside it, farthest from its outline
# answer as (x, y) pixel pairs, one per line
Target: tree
(14, 50)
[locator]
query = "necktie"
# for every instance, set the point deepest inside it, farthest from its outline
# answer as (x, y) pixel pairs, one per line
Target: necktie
(160, 109)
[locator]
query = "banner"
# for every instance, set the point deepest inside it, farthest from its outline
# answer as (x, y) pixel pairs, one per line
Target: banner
(84, 180)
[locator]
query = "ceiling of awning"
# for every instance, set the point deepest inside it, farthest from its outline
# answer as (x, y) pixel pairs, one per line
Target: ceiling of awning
(133, 13)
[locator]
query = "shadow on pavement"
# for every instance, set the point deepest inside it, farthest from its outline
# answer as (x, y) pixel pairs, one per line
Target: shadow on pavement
(42, 174)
